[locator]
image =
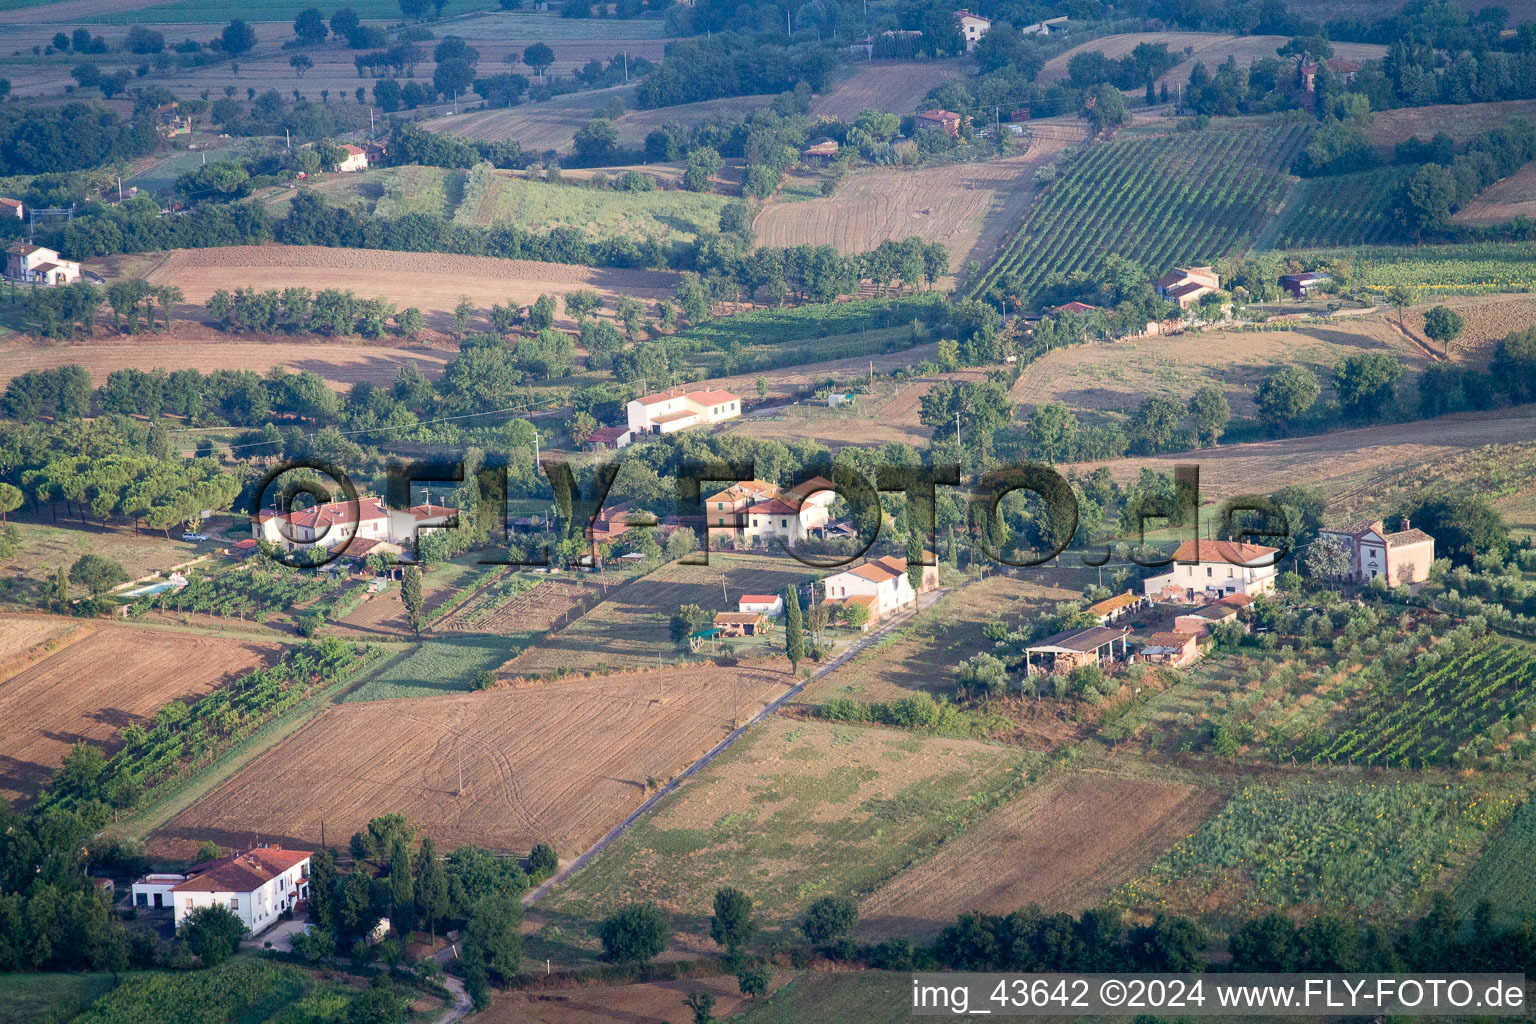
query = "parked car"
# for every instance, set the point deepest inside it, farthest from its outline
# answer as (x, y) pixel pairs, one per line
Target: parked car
(194, 537)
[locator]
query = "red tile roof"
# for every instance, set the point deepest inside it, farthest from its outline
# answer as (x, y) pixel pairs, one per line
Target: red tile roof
(243, 872)
(335, 513)
(432, 511)
(758, 598)
(1227, 551)
(607, 435)
(1175, 640)
(773, 507)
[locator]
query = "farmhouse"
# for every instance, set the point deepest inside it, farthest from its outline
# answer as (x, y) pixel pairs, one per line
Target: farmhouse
(11, 208)
(26, 263)
(1200, 621)
(763, 604)
(355, 159)
(1401, 556)
(945, 120)
(1187, 285)
(742, 623)
(972, 27)
(1301, 285)
(751, 510)
(1079, 308)
(1069, 649)
(336, 523)
(609, 438)
(1045, 28)
(1208, 570)
(881, 585)
(1171, 648)
(670, 411)
(256, 886)
(1113, 609)
(1345, 70)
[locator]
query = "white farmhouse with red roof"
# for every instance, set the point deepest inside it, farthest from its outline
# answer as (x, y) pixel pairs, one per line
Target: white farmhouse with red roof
(1209, 570)
(364, 527)
(256, 886)
(670, 411)
(355, 159)
(880, 585)
(752, 510)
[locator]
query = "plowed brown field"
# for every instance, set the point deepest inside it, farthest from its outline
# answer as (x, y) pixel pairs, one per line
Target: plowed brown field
(1209, 47)
(1064, 846)
(562, 763)
(550, 605)
(897, 87)
(433, 282)
(92, 688)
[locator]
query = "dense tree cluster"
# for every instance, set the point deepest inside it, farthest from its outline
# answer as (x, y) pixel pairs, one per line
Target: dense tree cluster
(732, 64)
(40, 139)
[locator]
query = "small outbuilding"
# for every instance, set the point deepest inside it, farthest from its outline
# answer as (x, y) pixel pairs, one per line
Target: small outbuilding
(742, 623)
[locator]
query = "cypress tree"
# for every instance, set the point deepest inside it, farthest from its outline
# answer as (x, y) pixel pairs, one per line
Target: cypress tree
(794, 637)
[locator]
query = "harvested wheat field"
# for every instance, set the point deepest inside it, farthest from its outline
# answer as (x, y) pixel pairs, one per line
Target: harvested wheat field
(897, 87)
(553, 125)
(562, 763)
(631, 628)
(1489, 319)
(1347, 464)
(1064, 846)
(68, 696)
(1209, 47)
(808, 376)
(1119, 375)
(968, 207)
(1504, 200)
(196, 347)
(433, 282)
(656, 1002)
(885, 415)
(26, 638)
(1460, 121)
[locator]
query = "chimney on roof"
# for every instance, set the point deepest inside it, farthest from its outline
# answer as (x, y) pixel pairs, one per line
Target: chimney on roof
(1405, 524)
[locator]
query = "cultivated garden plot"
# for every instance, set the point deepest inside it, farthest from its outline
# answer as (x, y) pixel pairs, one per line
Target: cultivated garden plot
(560, 763)
(91, 689)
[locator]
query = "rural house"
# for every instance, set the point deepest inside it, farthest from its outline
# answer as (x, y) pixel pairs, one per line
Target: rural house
(256, 886)
(753, 510)
(1402, 556)
(1200, 621)
(945, 120)
(1069, 649)
(1045, 28)
(1174, 648)
(337, 523)
(670, 411)
(972, 27)
(1121, 606)
(742, 623)
(881, 585)
(1307, 70)
(608, 438)
(12, 208)
(1301, 285)
(354, 158)
(763, 604)
(822, 150)
(26, 263)
(1080, 308)
(1208, 570)
(1187, 285)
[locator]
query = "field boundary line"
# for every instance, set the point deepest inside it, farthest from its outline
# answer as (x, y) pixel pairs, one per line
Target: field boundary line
(719, 748)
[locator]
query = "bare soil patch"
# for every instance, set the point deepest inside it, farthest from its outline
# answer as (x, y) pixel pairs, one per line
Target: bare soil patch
(551, 604)
(1461, 121)
(897, 87)
(1504, 200)
(1209, 47)
(1064, 846)
(433, 282)
(91, 689)
(1489, 319)
(657, 1002)
(561, 763)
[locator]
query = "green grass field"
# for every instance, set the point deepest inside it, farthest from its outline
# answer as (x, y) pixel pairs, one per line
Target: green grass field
(43, 997)
(1503, 874)
(833, 997)
(437, 667)
(795, 811)
(671, 216)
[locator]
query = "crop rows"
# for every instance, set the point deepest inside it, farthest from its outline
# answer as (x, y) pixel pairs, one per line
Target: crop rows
(1343, 209)
(1437, 708)
(1158, 201)
(1433, 271)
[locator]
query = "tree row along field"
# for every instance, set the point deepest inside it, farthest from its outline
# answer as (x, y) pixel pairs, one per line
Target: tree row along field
(1208, 47)
(1158, 201)
(560, 763)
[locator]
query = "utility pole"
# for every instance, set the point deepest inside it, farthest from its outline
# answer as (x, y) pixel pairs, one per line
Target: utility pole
(119, 188)
(957, 426)
(626, 67)
(371, 128)
(287, 139)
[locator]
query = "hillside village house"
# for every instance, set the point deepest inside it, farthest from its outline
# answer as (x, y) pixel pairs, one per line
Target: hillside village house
(764, 604)
(12, 208)
(945, 120)
(370, 521)
(1113, 609)
(1172, 648)
(256, 886)
(1071, 648)
(26, 263)
(1188, 285)
(674, 410)
(609, 438)
(753, 510)
(1208, 570)
(356, 159)
(1200, 621)
(822, 150)
(1345, 70)
(1400, 556)
(880, 585)
(972, 27)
